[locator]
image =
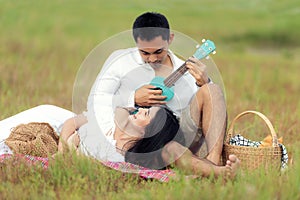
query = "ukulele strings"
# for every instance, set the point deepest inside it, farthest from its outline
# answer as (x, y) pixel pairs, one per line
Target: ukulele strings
(169, 81)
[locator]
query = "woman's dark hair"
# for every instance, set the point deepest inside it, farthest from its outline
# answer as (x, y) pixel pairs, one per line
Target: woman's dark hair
(151, 25)
(163, 128)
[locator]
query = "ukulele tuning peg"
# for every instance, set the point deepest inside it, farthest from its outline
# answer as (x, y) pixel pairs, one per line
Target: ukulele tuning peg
(197, 46)
(214, 52)
(207, 57)
(203, 40)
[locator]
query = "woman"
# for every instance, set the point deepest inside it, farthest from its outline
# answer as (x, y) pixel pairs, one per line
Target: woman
(133, 137)
(152, 138)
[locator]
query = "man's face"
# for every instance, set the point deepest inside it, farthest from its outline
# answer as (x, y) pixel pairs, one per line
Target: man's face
(154, 52)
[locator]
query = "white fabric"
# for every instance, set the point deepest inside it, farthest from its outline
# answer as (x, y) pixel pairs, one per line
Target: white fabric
(96, 144)
(51, 114)
(4, 149)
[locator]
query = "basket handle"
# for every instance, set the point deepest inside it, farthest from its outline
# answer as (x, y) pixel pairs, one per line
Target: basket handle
(266, 120)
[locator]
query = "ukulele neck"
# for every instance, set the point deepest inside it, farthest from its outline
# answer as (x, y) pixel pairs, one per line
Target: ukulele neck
(172, 78)
(203, 51)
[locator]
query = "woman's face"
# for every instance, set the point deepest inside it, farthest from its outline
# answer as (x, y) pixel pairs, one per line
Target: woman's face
(144, 115)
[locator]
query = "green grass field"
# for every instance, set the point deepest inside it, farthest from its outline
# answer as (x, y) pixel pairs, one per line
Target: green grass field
(43, 43)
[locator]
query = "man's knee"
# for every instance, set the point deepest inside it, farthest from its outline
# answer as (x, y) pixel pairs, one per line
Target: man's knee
(210, 89)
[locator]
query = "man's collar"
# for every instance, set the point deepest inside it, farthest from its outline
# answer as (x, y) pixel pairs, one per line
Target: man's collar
(137, 57)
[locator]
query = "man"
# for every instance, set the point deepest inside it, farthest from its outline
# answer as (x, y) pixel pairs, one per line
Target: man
(124, 81)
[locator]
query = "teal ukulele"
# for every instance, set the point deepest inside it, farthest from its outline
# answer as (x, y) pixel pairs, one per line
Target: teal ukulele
(166, 84)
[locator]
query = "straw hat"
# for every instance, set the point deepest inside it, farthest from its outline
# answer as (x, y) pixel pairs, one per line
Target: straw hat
(35, 138)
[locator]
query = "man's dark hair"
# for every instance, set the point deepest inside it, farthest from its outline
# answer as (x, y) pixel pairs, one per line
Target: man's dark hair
(151, 25)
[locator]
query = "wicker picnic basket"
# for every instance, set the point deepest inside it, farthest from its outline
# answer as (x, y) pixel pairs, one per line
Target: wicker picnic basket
(253, 157)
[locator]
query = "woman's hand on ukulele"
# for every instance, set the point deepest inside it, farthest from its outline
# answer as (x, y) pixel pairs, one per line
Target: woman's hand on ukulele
(198, 70)
(149, 95)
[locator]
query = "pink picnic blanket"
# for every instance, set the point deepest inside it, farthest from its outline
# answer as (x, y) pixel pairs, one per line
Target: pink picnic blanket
(161, 175)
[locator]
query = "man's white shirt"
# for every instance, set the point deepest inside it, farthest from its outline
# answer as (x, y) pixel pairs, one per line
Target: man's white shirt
(124, 72)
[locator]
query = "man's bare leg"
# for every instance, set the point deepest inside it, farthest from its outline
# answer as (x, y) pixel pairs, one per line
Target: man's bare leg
(208, 110)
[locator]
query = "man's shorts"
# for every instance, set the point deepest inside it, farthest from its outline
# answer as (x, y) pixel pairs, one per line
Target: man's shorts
(194, 138)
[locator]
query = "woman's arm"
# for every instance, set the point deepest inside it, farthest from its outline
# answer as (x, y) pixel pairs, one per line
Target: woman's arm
(69, 128)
